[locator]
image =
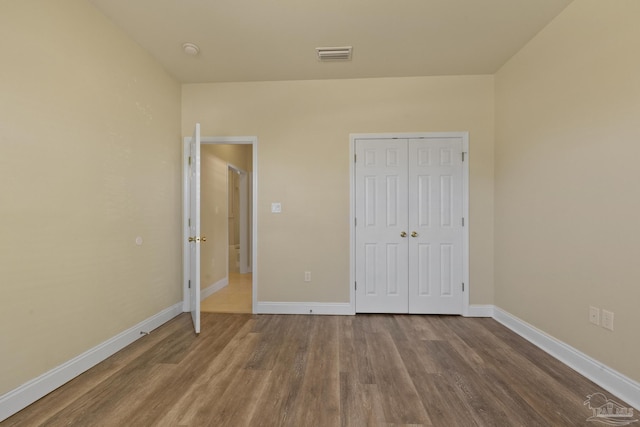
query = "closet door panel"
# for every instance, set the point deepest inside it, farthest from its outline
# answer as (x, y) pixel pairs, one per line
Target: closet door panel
(381, 215)
(435, 225)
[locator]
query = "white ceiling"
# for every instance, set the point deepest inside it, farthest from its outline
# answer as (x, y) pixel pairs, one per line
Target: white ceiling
(256, 40)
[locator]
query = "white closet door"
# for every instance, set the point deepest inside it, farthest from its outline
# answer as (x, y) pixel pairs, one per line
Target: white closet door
(381, 215)
(435, 226)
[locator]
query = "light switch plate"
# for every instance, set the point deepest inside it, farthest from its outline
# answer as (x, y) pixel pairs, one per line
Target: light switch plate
(276, 207)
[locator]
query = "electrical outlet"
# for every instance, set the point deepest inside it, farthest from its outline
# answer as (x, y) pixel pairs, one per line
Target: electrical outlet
(607, 320)
(594, 315)
(307, 276)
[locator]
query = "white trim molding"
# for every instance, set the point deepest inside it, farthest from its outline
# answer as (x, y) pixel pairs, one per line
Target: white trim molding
(330, 308)
(212, 289)
(611, 380)
(26, 394)
(479, 310)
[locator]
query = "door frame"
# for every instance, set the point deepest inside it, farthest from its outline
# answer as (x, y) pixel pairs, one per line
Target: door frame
(465, 205)
(226, 140)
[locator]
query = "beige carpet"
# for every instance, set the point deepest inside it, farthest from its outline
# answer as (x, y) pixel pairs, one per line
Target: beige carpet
(233, 298)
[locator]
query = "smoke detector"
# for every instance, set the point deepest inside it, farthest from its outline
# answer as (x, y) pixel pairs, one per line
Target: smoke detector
(334, 53)
(190, 49)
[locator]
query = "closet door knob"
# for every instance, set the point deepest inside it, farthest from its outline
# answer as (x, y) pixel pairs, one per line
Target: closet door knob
(414, 234)
(403, 234)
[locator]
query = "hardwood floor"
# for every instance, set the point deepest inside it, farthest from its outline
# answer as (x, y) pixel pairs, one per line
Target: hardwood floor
(294, 370)
(233, 298)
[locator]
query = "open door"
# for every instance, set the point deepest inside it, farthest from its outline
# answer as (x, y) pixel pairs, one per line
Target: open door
(193, 222)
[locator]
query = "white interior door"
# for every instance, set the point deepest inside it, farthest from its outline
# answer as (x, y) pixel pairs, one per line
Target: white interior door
(194, 228)
(435, 225)
(409, 230)
(381, 215)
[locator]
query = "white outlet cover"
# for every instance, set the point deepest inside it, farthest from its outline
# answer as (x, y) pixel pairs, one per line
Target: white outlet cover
(139, 241)
(276, 207)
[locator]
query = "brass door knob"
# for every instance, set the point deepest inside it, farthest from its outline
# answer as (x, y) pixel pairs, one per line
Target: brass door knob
(194, 239)
(414, 234)
(203, 238)
(403, 234)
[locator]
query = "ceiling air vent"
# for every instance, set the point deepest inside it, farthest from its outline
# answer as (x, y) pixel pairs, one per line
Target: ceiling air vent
(334, 53)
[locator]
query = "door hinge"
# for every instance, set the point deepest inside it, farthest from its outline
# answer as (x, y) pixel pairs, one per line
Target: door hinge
(355, 158)
(189, 284)
(189, 222)
(463, 221)
(462, 287)
(463, 156)
(356, 283)
(189, 160)
(355, 221)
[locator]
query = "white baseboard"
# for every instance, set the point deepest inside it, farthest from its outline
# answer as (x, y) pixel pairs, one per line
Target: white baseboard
(331, 308)
(210, 290)
(618, 384)
(26, 394)
(478, 310)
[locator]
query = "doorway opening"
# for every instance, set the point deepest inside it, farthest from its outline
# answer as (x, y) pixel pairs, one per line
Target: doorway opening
(225, 275)
(226, 177)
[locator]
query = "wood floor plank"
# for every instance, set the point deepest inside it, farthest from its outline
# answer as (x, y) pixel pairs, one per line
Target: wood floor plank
(357, 350)
(360, 404)
(318, 400)
(300, 370)
(277, 403)
(445, 326)
(208, 375)
(442, 403)
(238, 408)
(272, 335)
(400, 400)
(417, 328)
(190, 369)
(537, 388)
(467, 384)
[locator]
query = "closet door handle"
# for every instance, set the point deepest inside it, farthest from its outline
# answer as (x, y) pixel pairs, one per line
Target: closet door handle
(403, 234)
(414, 234)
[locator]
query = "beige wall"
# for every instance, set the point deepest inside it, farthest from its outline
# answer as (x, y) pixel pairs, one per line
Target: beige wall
(303, 132)
(567, 176)
(238, 155)
(213, 217)
(89, 159)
